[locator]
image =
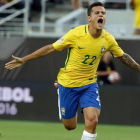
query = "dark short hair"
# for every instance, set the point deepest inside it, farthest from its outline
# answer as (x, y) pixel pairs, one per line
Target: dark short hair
(89, 10)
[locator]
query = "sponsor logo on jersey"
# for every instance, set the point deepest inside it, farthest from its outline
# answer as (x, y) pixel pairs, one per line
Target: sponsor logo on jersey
(60, 40)
(63, 110)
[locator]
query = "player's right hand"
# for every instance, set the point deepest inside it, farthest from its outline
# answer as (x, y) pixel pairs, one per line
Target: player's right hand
(17, 62)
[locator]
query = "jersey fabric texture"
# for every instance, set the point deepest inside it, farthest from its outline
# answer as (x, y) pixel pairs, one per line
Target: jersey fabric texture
(84, 54)
(70, 98)
(105, 67)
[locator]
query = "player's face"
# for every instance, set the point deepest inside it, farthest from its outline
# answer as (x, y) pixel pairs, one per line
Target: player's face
(98, 17)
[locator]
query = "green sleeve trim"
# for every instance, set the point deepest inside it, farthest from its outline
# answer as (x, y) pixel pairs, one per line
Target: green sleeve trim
(59, 70)
(68, 56)
(112, 54)
(85, 29)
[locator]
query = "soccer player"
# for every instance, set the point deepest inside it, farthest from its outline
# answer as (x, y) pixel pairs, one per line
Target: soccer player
(86, 45)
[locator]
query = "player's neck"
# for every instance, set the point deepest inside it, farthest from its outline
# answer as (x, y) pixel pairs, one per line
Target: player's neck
(95, 33)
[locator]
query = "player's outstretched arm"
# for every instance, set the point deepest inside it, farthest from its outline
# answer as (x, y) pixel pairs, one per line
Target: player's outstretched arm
(130, 62)
(17, 62)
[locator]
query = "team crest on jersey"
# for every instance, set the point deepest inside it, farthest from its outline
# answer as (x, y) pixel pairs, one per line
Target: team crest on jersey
(103, 49)
(63, 110)
(60, 40)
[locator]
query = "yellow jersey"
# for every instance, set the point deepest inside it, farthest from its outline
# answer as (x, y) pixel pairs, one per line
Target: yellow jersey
(137, 13)
(84, 54)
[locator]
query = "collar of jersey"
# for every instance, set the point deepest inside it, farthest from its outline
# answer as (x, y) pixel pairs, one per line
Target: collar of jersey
(87, 32)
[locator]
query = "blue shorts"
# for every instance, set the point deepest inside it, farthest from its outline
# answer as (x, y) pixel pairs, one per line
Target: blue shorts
(70, 98)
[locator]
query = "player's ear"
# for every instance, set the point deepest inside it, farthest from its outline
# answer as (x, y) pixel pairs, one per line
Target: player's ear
(89, 18)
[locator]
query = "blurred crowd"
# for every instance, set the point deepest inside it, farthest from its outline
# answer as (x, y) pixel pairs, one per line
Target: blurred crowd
(35, 5)
(19, 5)
(117, 4)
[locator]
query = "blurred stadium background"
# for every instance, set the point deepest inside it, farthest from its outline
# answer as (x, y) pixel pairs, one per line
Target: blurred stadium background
(28, 99)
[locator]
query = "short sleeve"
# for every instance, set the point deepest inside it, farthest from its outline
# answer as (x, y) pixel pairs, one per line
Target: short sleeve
(114, 48)
(66, 41)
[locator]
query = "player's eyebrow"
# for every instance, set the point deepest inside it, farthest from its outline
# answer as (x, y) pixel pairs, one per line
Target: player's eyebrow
(99, 12)
(104, 12)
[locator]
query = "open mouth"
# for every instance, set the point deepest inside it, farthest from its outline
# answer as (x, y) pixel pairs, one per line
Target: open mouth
(100, 22)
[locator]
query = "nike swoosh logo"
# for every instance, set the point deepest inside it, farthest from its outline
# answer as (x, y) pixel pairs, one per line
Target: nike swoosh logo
(81, 48)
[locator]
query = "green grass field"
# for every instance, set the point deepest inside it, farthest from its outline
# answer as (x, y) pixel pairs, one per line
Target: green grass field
(28, 130)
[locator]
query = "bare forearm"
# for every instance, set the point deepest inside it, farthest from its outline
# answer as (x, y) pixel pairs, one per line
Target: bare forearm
(44, 51)
(103, 73)
(129, 61)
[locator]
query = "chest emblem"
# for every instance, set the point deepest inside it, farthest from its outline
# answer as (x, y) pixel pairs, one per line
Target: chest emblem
(103, 49)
